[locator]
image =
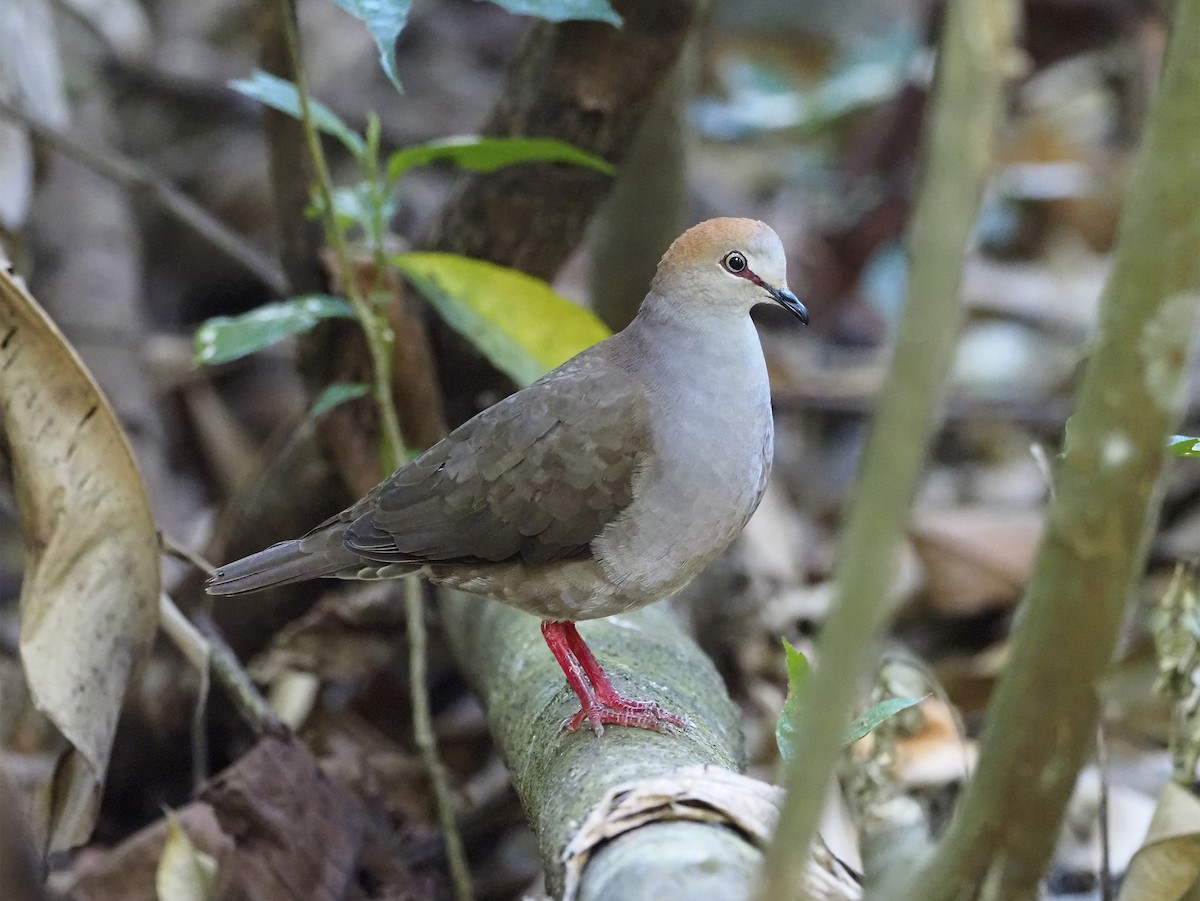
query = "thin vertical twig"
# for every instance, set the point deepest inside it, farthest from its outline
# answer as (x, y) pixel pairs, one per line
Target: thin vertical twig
(196, 649)
(414, 607)
(374, 324)
(973, 66)
(1107, 892)
(380, 339)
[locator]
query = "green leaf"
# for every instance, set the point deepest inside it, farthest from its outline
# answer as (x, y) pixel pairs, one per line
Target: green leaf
(562, 10)
(789, 717)
(486, 154)
(1183, 446)
(518, 322)
(280, 94)
(354, 207)
(385, 20)
(226, 338)
(334, 394)
(884, 710)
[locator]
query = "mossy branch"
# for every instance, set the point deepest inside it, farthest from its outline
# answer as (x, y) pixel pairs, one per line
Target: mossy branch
(975, 57)
(1042, 721)
(561, 776)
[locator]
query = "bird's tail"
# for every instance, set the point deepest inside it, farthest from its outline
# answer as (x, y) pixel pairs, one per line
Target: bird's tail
(318, 554)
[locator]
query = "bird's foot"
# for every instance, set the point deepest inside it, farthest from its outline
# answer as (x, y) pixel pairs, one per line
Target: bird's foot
(601, 703)
(618, 710)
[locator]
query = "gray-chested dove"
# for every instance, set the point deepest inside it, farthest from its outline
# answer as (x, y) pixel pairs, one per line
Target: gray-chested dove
(604, 486)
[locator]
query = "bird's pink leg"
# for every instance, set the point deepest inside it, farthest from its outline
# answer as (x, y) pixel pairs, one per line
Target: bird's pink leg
(600, 702)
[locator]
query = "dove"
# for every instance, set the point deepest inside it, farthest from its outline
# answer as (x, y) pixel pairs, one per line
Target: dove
(604, 486)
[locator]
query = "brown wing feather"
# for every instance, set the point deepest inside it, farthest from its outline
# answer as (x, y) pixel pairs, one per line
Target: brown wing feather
(535, 477)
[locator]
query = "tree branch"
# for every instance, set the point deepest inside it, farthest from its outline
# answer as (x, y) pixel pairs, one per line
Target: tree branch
(134, 176)
(973, 65)
(561, 776)
(1042, 721)
(587, 83)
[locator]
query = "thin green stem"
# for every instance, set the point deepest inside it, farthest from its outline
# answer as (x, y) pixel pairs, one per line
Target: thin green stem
(973, 60)
(414, 608)
(380, 339)
(374, 323)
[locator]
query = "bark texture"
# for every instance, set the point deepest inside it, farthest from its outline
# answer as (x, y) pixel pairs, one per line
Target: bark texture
(584, 82)
(1042, 721)
(560, 776)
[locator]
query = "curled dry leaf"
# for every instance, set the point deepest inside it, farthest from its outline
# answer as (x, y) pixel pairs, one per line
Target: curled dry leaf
(1169, 860)
(89, 599)
(131, 871)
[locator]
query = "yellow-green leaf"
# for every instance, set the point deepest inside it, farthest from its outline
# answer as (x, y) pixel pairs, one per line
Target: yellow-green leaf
(185, 873)
(484, 154)
(518, 322)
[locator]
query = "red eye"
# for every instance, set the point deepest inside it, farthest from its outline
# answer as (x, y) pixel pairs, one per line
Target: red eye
(735, 262)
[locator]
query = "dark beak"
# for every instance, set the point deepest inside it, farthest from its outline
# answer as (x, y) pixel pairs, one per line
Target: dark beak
(789, 302)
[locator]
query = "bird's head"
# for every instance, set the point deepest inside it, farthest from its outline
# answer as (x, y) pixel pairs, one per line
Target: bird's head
(727, 263)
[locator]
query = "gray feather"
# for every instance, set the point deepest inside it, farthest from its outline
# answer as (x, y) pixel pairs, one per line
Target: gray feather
(316, 554)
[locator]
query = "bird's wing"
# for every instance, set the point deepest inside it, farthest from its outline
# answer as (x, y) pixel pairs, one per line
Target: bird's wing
(535, 477)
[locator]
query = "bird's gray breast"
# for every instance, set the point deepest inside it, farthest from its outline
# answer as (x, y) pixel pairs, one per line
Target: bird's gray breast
(713, 435)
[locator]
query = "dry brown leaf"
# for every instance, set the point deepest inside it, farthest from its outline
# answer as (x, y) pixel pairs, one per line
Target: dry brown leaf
(937, 754)
(346, 636)
(89, 599)
(976, 558)
(298, 833)
(1168, 863)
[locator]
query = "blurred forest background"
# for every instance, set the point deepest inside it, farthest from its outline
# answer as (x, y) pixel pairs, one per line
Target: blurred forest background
(806, 115)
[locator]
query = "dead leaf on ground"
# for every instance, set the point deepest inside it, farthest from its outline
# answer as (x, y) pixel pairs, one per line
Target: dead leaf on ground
(347, 635)
(936, 755)
(976, 559)
(89, 598)
(1169, 860)
(299, 834)
(130, 871)
(272, 826)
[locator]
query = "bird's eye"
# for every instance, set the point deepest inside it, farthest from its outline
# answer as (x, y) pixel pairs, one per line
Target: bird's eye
(734, 262)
